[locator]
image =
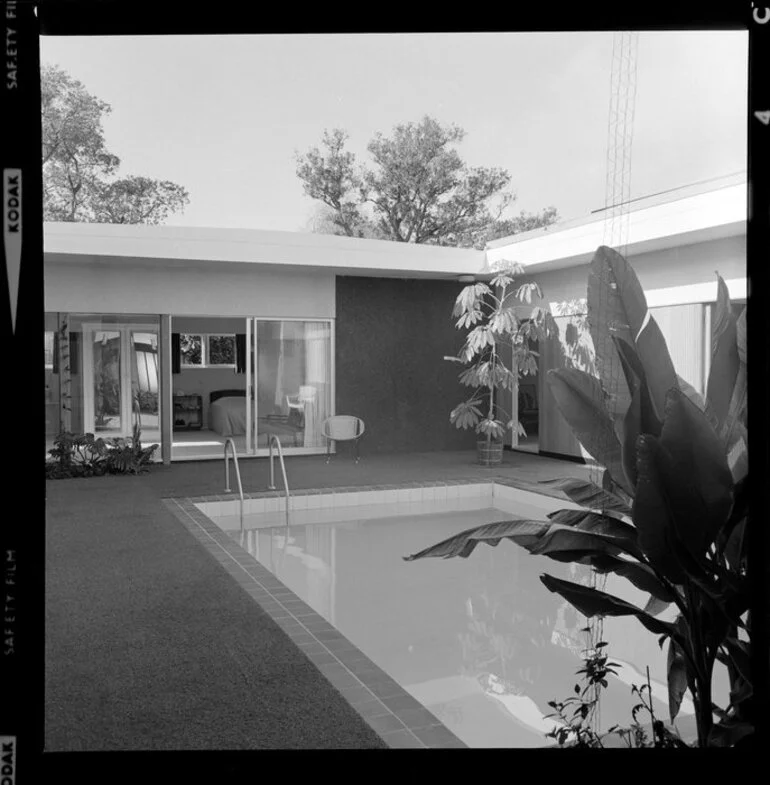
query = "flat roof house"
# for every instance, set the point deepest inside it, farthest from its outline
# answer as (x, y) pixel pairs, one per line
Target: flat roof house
(205, 334)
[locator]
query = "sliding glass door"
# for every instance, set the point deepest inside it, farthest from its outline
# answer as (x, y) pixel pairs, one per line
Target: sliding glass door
(290, 384)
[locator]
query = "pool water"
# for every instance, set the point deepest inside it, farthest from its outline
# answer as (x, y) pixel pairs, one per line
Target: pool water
(479, 641)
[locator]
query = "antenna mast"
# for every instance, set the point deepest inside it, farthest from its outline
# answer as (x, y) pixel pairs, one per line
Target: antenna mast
(620, 129)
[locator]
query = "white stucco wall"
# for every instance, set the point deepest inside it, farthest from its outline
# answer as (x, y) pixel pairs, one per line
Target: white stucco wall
(230, 290)
(686, 274)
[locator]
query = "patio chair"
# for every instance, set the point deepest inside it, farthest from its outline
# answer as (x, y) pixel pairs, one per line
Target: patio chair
(342, 428)
(297, 405)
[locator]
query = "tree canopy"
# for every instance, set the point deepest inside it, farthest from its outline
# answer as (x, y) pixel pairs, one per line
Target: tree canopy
(418, 190)
(80, 175)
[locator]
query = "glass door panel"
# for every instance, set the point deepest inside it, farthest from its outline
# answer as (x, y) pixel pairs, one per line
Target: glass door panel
(292, 382)
(145, 381)
(52, 387)
(106, 411)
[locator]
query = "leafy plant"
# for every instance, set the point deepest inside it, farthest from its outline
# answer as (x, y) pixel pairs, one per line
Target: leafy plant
(489, 313)
(575, 729)
(83, 455)
(670, 513)
(127, 456)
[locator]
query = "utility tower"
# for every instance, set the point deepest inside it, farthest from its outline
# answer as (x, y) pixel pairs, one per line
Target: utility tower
(620, 134)
(620, 128)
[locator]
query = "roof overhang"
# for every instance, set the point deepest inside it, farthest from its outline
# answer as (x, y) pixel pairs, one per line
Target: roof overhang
(700, 218)
(214, 249)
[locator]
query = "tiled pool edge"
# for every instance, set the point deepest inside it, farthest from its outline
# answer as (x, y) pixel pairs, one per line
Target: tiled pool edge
(394, 715)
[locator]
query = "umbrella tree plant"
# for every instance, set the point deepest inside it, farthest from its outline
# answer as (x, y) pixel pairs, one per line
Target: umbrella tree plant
(670, 513)
(489, 312)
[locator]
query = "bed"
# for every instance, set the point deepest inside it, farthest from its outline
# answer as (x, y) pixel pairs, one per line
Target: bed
(227, 412)
(227, 417)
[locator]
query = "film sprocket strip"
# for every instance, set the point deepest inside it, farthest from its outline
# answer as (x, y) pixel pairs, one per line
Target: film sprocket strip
(22, 537)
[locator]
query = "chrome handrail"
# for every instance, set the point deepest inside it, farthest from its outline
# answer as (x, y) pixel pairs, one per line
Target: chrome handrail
(274, 438)
(237, 474)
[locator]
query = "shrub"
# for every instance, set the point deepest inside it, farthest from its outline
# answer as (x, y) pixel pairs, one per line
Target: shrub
(83, 455)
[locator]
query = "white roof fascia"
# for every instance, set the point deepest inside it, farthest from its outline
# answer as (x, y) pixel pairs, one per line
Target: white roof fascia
(110, 242)
(719, 213)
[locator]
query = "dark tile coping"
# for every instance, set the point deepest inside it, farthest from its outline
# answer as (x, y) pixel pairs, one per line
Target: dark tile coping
(398, 719)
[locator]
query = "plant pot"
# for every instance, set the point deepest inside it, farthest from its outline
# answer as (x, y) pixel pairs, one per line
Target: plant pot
(490, 453)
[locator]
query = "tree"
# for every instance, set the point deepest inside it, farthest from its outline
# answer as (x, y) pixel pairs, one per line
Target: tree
(80, 180)
(419, 189)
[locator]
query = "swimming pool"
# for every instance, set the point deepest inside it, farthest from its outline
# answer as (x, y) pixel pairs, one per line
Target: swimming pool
(479, 642)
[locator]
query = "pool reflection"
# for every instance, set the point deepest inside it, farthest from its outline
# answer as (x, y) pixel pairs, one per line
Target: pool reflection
(479, 641)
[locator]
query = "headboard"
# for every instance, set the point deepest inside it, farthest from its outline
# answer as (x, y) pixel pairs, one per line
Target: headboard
(215, 394)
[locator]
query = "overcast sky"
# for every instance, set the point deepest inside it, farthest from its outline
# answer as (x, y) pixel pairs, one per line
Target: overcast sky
(224, 115)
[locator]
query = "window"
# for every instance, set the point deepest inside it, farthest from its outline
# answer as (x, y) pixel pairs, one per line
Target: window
(207, 351)
(191, 348)
(49, 349)
(221, 350)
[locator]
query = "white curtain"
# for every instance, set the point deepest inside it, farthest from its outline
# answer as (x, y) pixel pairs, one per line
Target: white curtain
(318, 376)
(279, 374)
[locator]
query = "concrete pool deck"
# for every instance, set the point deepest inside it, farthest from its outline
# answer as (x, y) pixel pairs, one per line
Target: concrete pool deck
(151, 645)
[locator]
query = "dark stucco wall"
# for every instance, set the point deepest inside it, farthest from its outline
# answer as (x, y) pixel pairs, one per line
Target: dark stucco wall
(391, 337)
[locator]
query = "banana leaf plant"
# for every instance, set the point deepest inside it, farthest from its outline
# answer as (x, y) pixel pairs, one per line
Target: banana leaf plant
(489, 312)
(669, 514)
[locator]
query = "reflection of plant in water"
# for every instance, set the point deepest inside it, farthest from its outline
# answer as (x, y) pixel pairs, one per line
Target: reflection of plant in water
(501, 638)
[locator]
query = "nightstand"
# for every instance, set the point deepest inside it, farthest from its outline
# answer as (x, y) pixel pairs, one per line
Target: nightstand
(188, 412)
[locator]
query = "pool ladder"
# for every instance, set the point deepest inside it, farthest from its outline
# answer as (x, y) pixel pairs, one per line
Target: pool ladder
(273, 439)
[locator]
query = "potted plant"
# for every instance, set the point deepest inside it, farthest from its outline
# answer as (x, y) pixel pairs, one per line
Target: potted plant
(496, 332)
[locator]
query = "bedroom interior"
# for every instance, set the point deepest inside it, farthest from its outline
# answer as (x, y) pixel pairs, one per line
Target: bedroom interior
(211, 374)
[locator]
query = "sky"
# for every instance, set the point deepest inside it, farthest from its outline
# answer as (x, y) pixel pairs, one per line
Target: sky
(224, 115)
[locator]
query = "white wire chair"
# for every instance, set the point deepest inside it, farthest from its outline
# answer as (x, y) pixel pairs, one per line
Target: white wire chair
(342, 428)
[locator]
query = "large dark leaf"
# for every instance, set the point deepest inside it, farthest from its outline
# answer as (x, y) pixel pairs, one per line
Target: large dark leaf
(698, 400)
(640, 575)
(659, 369)
(610, 486)
(697, 479)
(637, 381)
(589, 495)
(676, 677)
(740, 335)
(592, 602)
(580, 399)
(651, 511)
(655, 606)
(623, 534)
(725, 359)
(740, 655)
(735, 420)
(738, 452)
(522, 532)
(727, 733)
(616, 307)
(726, 542)
(560, 539)
(631, 426)
(735, 547)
